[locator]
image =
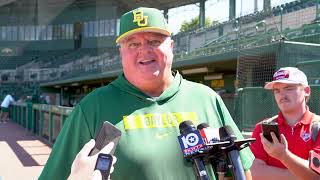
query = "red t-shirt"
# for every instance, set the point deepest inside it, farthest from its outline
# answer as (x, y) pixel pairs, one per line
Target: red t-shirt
(298, 138)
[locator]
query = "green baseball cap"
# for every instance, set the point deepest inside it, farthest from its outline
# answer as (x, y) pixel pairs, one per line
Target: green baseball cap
(142, 20)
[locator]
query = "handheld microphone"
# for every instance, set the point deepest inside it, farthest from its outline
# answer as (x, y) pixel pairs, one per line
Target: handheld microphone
(227, 134)
(191, 144)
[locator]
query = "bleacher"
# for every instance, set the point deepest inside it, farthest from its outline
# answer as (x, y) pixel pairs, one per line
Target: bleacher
(12, 62)
(47, 57)
(292, 6)
(90, 61)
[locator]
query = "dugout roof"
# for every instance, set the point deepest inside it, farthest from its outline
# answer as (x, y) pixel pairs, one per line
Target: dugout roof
(123, 5)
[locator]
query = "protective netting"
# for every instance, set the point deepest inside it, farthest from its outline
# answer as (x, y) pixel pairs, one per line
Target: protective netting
(311, 69)
(255, 104)
(255, 67)
(287, 36)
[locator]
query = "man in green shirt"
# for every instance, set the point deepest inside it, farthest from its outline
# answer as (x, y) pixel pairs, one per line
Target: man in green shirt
(147, 103)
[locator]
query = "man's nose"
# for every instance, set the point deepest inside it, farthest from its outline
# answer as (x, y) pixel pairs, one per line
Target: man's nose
(283, 93)
(145, 47)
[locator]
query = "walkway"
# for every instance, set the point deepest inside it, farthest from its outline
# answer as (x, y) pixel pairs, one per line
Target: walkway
(22, 154)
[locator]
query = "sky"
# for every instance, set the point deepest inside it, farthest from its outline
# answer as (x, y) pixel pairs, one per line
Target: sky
(215, 9)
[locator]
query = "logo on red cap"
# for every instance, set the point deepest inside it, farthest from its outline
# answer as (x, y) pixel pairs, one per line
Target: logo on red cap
(282, 74)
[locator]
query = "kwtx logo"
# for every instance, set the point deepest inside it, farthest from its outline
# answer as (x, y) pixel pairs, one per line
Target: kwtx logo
(139, 18)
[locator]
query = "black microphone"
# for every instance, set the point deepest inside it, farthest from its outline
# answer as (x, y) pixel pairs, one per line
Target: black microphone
(202, 125)
(227, 134)
(217, 158)
(187, 129)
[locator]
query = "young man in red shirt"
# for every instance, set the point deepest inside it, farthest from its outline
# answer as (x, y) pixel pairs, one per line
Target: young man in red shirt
(287, 157)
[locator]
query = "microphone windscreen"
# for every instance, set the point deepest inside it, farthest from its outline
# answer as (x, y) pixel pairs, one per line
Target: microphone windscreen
(186, 126)
(202, 125)
(226, 133)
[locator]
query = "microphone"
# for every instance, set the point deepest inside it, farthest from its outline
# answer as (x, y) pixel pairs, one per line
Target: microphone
(227, 134)
(192, 144)
(209, 135)
(217, 157)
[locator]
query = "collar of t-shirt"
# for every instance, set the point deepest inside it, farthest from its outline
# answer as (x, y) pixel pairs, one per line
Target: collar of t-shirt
(306, 118)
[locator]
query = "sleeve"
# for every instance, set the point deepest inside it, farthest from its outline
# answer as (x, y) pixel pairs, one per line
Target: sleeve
(316, 145)
(245, 154)
(74, 134)
(257, 147)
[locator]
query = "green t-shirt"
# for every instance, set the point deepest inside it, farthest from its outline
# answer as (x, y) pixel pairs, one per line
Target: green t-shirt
(148, 148)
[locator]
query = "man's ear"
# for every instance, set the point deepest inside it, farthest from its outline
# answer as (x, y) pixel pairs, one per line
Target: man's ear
(307, 90)
(120, 51)
(172, 42)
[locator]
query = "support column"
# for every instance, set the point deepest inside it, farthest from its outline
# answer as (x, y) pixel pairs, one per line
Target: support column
(232, 9)
(61, 96)
(317, 9)
(165, 14)
(255, 5)
(267, 5)
(35, 17)
(202, 16)
(281, 19)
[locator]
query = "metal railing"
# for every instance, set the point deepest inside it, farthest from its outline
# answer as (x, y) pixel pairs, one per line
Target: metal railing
(41, 119)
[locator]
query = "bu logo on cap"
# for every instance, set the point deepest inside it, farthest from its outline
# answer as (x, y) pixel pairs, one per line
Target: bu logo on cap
(138, 17)
(283, 74)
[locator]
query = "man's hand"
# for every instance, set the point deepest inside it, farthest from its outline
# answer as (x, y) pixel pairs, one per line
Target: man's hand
(83, 165)
(276, 149)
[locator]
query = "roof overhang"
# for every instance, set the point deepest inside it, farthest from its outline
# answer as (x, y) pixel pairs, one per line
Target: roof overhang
(127, 5)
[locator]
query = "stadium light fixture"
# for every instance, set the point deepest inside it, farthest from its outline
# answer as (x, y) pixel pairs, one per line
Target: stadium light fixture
(75, 84)
(214, 76)
(195, 70)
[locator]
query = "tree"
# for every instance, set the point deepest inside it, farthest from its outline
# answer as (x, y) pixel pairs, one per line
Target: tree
(194, 24)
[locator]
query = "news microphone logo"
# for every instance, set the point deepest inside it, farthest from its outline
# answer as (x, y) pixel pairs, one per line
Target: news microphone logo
(190, 143)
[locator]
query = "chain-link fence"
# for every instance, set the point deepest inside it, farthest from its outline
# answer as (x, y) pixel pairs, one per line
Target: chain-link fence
(254, 104)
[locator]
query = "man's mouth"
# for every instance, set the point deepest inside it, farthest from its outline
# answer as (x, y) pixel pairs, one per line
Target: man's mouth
(284, 100)
(146, 62)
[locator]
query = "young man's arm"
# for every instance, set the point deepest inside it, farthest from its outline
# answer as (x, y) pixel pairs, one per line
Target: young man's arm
(297, 166)
(261, 171)
(248, 175)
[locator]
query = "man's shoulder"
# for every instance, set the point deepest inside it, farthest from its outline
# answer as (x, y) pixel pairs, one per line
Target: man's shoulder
(194, 86)
(316, 118)
(98, 94)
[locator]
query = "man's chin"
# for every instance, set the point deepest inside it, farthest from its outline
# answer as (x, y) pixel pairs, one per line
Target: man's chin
(151, 74)
(156, 73)
(286, 110)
